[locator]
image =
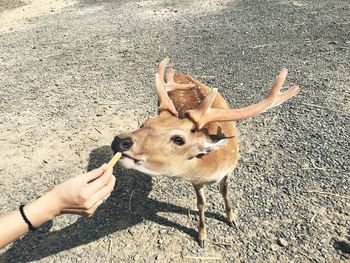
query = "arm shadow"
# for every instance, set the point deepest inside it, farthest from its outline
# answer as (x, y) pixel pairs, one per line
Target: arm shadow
(114, 215)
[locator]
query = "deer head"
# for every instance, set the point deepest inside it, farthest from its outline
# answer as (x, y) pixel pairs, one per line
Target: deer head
(172, 142)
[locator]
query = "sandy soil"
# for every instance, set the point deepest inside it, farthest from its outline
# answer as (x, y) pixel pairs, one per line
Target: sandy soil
(10, 4)
(74, 78)
(16, 14)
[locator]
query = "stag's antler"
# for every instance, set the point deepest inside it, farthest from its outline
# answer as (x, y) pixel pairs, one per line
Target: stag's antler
(165, 103)
(205, 114)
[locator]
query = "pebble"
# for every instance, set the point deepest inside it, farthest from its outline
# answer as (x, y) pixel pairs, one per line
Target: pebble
(282, 242)
(162, 231)
(132, 231)
(275, 247)
(137, 258)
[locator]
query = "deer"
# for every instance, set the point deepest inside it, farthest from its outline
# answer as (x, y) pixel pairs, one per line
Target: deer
(194, 136)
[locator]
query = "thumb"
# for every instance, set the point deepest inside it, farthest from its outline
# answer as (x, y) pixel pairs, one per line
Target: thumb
(94, 174)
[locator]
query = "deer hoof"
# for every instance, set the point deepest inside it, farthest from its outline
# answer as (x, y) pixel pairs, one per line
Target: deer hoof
(201, 243)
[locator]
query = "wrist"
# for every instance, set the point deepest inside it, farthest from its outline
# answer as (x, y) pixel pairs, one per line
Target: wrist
(54, 202)
(42, 210)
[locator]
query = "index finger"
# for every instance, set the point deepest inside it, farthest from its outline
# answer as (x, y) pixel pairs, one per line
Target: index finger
(93, 174)
(100, 182)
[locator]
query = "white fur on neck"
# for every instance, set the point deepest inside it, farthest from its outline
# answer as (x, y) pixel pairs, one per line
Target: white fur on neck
(130, 164)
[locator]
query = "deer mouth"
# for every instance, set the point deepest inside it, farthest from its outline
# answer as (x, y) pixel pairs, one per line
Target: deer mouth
(136, 161)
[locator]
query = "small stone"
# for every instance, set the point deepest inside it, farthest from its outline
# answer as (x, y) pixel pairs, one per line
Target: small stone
(275, 247)
(282, 242)
(311, 232)
(99, 114)
(160, 242)
(295, 3)
(137, 258)
(132, 231)
(162, 231)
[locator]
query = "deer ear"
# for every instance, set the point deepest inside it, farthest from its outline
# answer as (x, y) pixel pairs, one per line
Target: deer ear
(212, 143)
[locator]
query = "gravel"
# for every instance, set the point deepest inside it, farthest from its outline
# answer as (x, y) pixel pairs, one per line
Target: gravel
(91, 66)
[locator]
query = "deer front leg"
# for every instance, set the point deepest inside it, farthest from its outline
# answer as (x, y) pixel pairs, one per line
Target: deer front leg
(228, 208)
(202, 232)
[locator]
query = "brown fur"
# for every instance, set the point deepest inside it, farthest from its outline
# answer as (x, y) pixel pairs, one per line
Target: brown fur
(223, 157)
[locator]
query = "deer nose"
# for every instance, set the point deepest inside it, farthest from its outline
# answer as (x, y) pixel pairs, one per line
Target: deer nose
(126, 144)
(121, 144)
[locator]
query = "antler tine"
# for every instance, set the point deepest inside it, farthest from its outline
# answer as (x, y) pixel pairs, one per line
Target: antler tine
(162, 88)
(170, 76)
(172, 85)
(165, 103)
(292, 91)
(275, 98)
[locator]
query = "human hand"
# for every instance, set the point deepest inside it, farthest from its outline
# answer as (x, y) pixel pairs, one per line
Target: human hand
(84, 193)
(79, 195)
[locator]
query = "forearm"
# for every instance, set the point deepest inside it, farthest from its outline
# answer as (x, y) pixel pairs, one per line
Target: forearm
(12, 226)
(38, 212)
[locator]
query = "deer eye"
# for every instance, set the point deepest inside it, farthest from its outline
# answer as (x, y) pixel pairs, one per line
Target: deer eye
(178, 140)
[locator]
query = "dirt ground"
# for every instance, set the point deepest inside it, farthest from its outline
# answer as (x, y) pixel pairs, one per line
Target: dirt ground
(11, 4)
(74, 76)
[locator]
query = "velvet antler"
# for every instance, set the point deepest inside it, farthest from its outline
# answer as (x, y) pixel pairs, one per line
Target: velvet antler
(165, 103)
(205, 114)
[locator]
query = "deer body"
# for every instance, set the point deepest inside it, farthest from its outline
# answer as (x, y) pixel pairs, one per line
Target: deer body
(194, 137)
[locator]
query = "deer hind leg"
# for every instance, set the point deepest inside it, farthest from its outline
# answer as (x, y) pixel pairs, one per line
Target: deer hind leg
(202, 232)
(231, 218)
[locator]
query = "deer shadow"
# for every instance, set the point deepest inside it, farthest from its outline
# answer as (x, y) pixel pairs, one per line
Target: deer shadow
(116, 214)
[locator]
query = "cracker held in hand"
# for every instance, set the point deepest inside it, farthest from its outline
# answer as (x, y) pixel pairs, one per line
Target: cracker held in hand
(114, 160)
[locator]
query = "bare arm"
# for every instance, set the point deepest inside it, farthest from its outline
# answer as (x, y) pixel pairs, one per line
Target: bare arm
(79, 195)
(13, 226)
